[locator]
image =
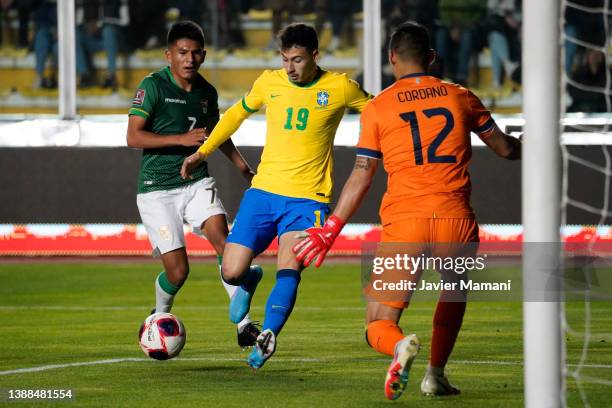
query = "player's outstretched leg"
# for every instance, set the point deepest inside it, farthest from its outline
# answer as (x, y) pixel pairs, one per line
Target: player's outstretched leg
(398, 372)
(435, 383)
(281, 299)
(246, 330)
(278, 309)
(240, 304)
(264, 347)
(385, 336)
(215, 229)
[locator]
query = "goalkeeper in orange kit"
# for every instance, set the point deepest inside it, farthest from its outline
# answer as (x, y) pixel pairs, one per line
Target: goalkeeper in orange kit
(420, 128)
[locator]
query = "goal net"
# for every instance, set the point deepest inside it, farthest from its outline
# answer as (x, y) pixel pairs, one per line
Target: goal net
(587, 155)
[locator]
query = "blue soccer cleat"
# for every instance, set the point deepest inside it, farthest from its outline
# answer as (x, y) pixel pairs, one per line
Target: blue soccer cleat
(264, 347)
(240, 304)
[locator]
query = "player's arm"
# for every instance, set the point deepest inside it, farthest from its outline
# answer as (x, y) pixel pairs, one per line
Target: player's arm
(229, 150)
(356, 187)
(503, 144)
(485, 127)
(356, 98)
(139, 137)
(319, 240)
(225, 128)
(229, 123)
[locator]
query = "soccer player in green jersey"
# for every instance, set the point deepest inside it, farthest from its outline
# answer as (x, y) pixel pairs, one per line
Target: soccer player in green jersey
(293, 185)
(172, 113)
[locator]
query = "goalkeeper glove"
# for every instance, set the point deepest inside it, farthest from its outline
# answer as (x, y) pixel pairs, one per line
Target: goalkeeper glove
(318, 242)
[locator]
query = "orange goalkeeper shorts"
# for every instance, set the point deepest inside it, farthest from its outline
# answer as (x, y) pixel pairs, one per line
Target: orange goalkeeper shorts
(428, 231)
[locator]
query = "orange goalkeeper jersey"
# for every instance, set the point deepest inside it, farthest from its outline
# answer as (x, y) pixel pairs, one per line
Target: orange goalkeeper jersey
(420, 127)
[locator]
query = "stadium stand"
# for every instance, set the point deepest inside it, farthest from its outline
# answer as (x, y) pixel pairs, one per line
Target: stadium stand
(232, 68)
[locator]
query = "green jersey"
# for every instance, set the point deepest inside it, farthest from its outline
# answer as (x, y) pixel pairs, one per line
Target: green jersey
(168, 110)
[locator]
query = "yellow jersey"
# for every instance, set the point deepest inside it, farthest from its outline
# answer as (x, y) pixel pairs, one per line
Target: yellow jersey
(301, 125)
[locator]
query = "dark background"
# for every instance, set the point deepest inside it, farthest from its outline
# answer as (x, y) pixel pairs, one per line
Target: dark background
(98, 185)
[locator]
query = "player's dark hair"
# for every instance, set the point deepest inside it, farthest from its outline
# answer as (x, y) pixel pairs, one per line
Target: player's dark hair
(410, 42)
(185, 29)
(298, 35)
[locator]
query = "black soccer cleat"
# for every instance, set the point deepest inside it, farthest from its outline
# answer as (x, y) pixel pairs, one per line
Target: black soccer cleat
(248, 334)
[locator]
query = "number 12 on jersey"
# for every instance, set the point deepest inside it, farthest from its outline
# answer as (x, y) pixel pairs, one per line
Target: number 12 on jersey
(432, 157)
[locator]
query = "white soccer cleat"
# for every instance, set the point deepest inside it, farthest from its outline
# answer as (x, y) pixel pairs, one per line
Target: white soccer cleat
(437, 385)
(397, 374)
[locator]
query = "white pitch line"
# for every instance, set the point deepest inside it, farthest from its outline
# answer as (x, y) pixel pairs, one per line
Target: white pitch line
(490, 362)
(591, 365)
(230, 359)
(138, 360)
(56, 366)
(485, 362)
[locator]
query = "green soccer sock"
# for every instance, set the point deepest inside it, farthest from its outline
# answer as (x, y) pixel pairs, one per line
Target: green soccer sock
(164, 293)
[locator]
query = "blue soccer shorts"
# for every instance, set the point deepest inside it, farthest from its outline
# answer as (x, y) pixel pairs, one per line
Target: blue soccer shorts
(262, 216)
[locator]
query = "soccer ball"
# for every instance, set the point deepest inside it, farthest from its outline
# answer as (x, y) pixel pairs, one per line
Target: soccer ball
(162, 336)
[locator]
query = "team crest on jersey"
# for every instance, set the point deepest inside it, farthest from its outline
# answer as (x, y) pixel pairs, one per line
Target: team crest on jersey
(323, 98)
(139, 97)
(204, 103)
(165, 233)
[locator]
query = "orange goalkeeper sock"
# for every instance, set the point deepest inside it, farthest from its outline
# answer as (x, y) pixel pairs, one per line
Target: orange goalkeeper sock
(382, 336)
(446, 325)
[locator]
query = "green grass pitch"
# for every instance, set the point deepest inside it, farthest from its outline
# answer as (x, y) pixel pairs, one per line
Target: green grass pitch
(84, 318)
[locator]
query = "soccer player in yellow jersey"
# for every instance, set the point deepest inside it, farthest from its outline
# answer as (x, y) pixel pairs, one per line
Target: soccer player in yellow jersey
(293, 185)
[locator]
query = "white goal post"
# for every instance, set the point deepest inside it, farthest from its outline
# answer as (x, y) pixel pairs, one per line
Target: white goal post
(66, 48)
(541, 208)
(372, 41)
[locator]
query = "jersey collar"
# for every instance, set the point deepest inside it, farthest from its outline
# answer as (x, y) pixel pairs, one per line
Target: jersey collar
(416, 74)
(318, 76)
(171, 78)
(173, 81)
